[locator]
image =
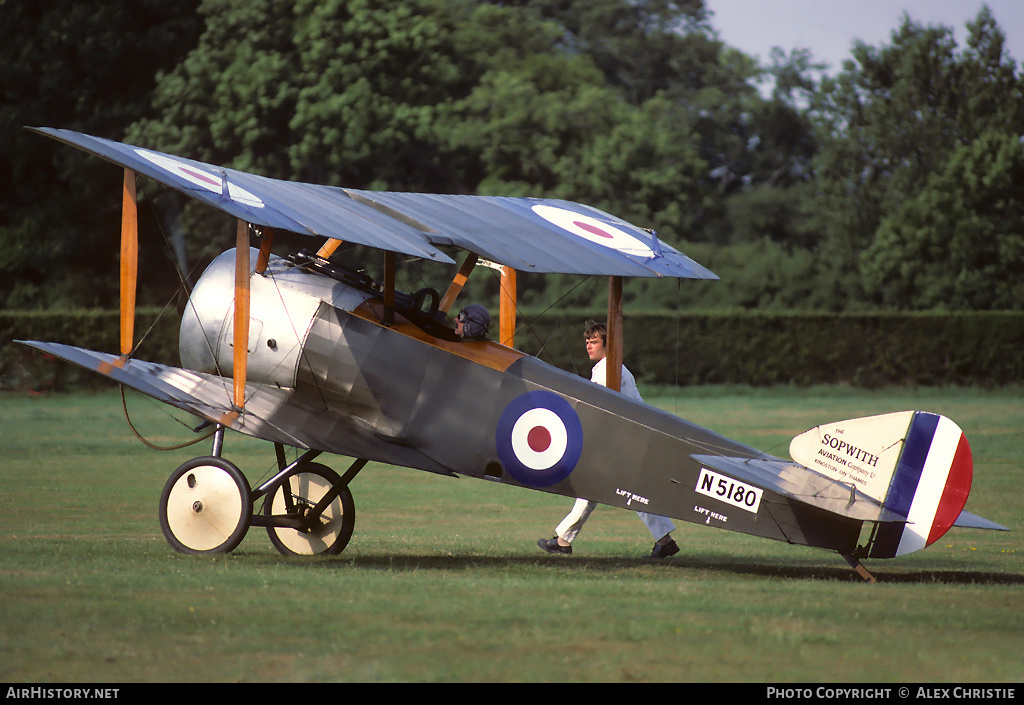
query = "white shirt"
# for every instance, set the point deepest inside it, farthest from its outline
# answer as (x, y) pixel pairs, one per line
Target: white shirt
(627, 385)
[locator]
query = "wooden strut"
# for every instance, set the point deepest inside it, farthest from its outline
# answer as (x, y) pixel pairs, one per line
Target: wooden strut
(328, 248)
(129, 262)
(614, 346)
(241, 338)
(507, 308)
(389, 288)
(506, 298)
(457, 283)
(266, 242)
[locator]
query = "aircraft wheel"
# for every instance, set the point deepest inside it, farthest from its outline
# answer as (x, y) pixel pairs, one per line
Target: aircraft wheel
(206, 506)
(300, 492)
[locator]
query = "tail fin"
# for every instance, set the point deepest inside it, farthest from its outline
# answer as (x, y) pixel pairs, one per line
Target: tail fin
(916, 464)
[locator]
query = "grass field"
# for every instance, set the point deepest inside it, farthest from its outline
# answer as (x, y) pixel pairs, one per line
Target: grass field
(442, 580)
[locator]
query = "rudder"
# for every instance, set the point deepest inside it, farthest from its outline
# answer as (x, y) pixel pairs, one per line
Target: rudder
(917, 464)
(930, 486)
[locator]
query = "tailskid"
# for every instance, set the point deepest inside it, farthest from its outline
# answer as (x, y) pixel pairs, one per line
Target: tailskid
(859, 567)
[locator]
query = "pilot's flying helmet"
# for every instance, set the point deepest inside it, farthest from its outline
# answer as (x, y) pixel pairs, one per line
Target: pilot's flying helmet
(475, 321)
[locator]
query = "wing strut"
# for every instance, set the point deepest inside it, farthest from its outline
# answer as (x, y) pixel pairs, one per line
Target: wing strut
(389, 287)
(266, 242)
(129, 261)
(613, 348)
(328, 248)
(507, 307)
(241, 339)
(457, 283)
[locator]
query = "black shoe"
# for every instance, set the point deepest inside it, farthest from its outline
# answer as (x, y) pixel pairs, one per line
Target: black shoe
(664, 551)
(552, 546)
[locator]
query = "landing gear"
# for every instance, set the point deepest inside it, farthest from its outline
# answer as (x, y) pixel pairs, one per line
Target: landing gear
(305, 516)
(206, 506)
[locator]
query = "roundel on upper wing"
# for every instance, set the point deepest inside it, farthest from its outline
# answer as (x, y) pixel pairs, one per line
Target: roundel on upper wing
(200, 177)
(594, 230)
(539, 438)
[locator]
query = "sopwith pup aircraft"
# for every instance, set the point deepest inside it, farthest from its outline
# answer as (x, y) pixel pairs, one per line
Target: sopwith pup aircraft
(308, 354)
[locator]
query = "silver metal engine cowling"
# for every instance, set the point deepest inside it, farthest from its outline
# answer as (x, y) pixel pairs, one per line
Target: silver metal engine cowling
(283, 303)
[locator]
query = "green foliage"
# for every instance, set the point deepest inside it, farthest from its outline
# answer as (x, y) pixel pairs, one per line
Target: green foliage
(156, 339)
(374, 83)
(64, 65)
(646, 169)
(791, 188)
(681, 348)
(960, 243)
(751, 348)
(895, 118)
(759, 275)
(532, 115)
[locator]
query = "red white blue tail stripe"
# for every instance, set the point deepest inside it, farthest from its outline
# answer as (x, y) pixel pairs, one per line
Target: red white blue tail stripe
(930, 486)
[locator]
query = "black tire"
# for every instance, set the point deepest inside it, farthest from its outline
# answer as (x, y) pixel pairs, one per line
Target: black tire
(305, 487)
(206, 507)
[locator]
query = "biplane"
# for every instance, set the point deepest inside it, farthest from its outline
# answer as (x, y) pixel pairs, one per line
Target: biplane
(314, 356)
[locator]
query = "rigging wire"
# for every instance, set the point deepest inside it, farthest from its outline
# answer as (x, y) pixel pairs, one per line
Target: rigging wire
(527, 324)
(186, 444)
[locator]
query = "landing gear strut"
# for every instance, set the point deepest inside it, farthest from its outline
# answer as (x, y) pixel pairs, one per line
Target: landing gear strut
(206, 506)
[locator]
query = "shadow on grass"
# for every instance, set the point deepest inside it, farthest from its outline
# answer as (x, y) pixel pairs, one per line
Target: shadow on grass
(601, 564)
(844, 573)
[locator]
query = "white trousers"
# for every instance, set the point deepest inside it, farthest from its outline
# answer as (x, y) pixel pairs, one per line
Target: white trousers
(570, 527)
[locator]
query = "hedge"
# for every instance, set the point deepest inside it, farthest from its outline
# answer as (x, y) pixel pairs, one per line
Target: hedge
(24, 367)
(864, 350)
(760, 349)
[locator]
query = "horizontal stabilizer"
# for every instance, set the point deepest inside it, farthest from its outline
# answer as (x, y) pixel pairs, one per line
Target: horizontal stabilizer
(803, 485)
(966, 520)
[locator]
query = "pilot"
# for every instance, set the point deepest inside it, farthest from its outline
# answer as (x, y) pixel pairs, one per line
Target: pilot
(473, 322)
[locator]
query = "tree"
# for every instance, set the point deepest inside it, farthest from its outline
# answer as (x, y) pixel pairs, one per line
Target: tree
(634, 106)
(230, 100)
(375, 88)
(533, 109)
(343, 92)
(894, 117)
(646, 168)
(959, 244)
(469, 97)
(642, 47)
(65, 65)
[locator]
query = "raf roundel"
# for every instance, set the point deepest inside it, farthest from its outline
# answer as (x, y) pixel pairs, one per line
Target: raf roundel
(199, 177)
(594, 230)
(539, 439)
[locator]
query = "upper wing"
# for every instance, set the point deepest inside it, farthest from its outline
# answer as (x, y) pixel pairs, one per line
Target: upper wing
(527, 234)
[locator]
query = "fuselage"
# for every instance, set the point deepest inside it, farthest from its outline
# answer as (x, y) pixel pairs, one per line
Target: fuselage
(410, 395)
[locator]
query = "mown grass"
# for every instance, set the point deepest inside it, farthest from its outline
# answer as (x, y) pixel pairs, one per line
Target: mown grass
(443, 582)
